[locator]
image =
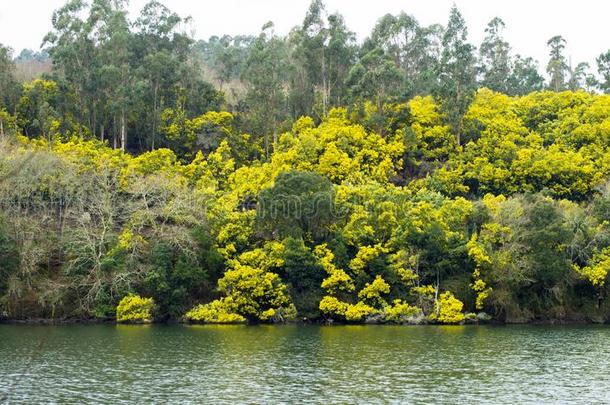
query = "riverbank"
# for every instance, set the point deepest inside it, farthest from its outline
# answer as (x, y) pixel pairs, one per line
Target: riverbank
(82, 321)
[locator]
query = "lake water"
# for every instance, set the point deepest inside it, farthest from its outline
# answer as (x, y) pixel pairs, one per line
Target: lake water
(304, 364)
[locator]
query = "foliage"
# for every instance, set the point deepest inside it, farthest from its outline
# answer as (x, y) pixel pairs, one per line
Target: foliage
(217, 311)
(134, 309)
(299, 204)
(597, 272)
(400, 312)
(358, 312)
(315, 176)
(254, 293)
(448, 309)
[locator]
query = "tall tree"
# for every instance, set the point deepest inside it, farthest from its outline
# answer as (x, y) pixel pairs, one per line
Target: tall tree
(340, 55)
(557, 66)
(9, 91)
(603, 69)
(73, 54)
(8, 85)
(265, 76)
(495, 58)
(410, 46)
(163, 50)
(524, 77)
(115, 54)
(456, 72)
(578, 77)
(376, 78)
(322, 52)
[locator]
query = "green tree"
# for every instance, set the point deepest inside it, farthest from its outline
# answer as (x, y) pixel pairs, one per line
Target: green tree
(72, 50)
(376, 78)
(495, 58)
(265, 76)
(36, 113)
(9, 259)
(557, 66)
(603, 69)
(163, 50)
(299, 204)
(303, 274)
(411, 47)
(524, 77)
(456, 72)
(578, 76)
(8, 85)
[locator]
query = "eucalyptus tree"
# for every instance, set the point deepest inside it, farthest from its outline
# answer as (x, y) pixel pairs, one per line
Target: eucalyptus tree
(412, 48)
(163, 50)
(524, 77)
(9, 89)
(308, 54)
(323, 50)
(456, 72)
(603, 70)
(8, 84)
(265, 76)
(341, 54)
(113, 49)
(502, 72)
(495, 58)
(557, 66)
(375, 77)
(578, 77)
(73, 53)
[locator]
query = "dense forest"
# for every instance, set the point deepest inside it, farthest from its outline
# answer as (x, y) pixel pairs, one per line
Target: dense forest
(411, 177)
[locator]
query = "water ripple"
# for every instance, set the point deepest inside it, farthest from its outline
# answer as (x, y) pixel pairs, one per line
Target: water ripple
(305, 364)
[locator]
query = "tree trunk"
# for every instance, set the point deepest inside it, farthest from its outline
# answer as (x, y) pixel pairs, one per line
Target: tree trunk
(94, 120)
(123, 133)
(154, 123)
(324, 85)
(114, 134)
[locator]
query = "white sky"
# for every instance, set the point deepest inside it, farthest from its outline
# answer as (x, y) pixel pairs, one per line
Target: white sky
(529, 23)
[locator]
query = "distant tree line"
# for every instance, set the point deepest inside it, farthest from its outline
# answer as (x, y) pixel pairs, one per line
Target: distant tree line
(131, 83)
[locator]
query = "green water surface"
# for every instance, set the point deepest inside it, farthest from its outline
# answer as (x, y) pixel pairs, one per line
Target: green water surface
(304, 364)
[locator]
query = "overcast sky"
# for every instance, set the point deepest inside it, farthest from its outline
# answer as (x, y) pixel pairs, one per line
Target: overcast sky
(530, 23)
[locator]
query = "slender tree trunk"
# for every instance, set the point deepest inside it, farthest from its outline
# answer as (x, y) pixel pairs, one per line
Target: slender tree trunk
(459, 101)
(324, 86)
(154, 123)
(114, 134)
(102, 133)
(436, 288)
(80, 113)
(1, 128)
(123, 133)
(94, 123)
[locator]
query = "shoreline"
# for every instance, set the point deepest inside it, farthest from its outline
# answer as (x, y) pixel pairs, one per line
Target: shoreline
(60, 322)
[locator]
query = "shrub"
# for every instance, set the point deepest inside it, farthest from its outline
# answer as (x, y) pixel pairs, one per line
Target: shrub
(371, 293)
(400, 312)
(448, 309)
(483, 317)
(332, 306)
(217, 311)
(358, 312)
(254, 292)
(134, 309)
(470, 317)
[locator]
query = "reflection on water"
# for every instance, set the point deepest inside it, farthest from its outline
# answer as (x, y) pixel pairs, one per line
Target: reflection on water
(297, 363)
